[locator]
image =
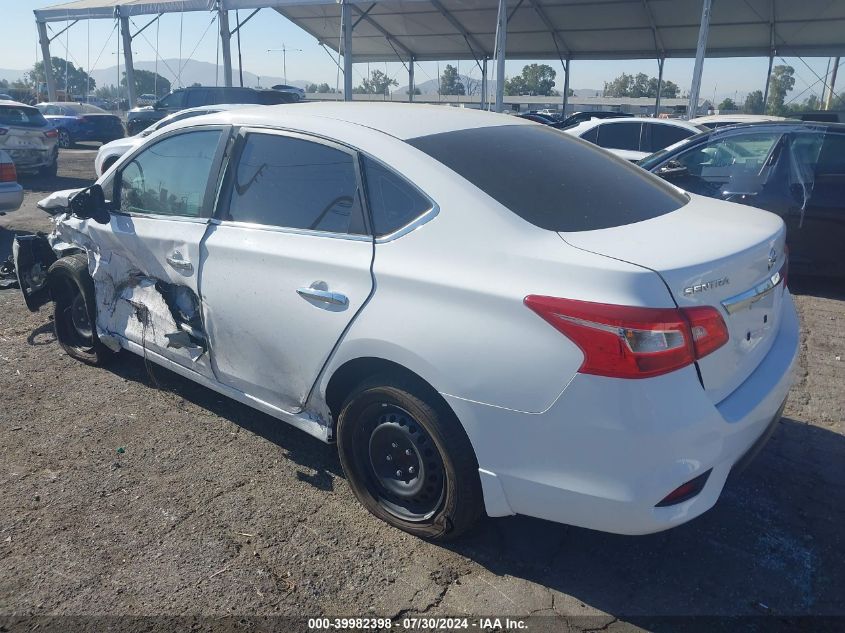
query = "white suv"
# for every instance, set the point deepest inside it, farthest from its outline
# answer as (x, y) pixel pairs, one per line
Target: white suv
(559, 334)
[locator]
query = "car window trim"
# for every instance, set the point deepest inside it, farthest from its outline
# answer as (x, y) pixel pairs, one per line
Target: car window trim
(225, 190)
(210, 186)
(418, 220)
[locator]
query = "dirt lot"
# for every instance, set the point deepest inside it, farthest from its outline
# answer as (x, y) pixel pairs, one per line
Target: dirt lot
(130, 492)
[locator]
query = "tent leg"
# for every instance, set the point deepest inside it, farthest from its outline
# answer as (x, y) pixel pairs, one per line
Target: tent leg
(48, 61)
(226, 45)
(484, 83)
(832, 85)
(566, 85)
(659, 86)
(699, 60)
(346, 23)
(501, 46)
(768, 81)
(127, 58)
(411, 85)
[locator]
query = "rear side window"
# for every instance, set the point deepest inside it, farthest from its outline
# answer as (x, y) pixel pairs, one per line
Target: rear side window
(21, 116)
(620, 135)
(551, 179)
(293, 183)
(394, 202)
(665, 135)
(591, 135)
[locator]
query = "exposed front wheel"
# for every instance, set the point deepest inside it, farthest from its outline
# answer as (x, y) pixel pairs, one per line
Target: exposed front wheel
(74, 318)
(408, 460)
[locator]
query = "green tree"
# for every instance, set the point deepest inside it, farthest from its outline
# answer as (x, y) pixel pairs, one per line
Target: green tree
(450, 82)
(78, 81)
(639, 85)
(106, 92)
(754, 102)
(728, 104)
(536, 79)
(148, 82)
(781, 82)
(377, 83)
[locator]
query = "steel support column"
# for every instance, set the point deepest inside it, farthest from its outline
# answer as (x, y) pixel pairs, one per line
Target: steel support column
(703, 30)
(346, 23)
(48, 61)
(501, 46)
(768, 82)
(225, 45)
(128, 61)
(659, 86)
(411, 85)
(832, 85)
(566, 84)
(484, 83)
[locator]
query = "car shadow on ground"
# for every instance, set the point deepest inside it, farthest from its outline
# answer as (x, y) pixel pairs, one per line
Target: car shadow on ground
(771, 546)
(50, 184)
(822, 287)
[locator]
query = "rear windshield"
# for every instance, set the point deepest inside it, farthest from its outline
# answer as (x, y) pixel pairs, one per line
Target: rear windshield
(551, 179)
(21, 116)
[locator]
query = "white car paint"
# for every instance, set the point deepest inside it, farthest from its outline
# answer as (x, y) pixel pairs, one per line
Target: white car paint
(717, 120)
(108, 153)
(583, 128)
(444, 299)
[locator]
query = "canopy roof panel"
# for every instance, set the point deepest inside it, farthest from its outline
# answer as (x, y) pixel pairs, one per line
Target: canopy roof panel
(537, 29)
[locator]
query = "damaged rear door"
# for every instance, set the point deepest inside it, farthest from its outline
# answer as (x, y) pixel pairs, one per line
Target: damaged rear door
(287, 264)
(146, 261)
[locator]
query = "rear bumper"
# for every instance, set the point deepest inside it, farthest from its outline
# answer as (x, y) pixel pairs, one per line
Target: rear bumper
(607, 451)
(28, 160)
(11, 196)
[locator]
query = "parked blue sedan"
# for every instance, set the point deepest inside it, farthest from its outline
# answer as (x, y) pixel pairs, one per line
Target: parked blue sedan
(77, 122)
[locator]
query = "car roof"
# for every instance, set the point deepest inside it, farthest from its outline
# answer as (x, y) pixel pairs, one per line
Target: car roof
(400, 120)
(588, 125)
(788, 124)
(17, 104)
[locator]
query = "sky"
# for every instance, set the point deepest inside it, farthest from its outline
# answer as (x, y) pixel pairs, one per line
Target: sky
(93, 43)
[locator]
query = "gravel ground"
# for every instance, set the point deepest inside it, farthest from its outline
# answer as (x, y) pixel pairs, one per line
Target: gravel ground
(211, 508)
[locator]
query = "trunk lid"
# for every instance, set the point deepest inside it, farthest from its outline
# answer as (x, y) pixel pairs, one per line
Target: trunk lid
(711, 253)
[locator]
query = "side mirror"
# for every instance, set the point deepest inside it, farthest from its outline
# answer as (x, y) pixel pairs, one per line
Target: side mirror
(90, 203)
(672, 169)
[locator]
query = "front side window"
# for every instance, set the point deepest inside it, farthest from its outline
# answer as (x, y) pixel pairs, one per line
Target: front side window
(293, 183)
(741, 159)
(394, 202)
(619, 136)
(174, 100)
(170, 178)
(663, 135)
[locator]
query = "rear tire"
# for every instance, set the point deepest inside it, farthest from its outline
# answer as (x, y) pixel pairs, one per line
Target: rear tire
(74, 318)
(408, 459)
(64, 141)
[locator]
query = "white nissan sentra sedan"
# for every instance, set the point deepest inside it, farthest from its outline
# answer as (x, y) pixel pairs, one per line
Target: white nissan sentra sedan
(485, 314)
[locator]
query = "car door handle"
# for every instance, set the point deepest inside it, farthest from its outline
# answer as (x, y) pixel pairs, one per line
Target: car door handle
(182, 265)
(318, 291)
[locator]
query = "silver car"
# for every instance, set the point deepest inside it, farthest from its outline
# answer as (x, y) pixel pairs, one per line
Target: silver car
(28, 138)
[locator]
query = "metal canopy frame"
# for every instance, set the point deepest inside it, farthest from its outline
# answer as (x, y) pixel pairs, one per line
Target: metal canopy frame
(566, 30)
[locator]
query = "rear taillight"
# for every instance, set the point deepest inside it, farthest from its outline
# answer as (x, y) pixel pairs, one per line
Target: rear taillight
(8, 173)
(51, 133)
(633, 342)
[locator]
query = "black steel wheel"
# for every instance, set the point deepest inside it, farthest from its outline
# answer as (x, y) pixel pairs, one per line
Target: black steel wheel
(74, 316)
(408, 459)
(64, 140)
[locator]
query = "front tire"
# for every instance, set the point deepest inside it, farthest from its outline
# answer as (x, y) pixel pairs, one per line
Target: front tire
(74, 318)
(408, 459)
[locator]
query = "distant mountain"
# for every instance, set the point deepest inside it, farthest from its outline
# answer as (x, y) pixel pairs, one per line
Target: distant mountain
(430, 87)
(193, 71)
(11, 75)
